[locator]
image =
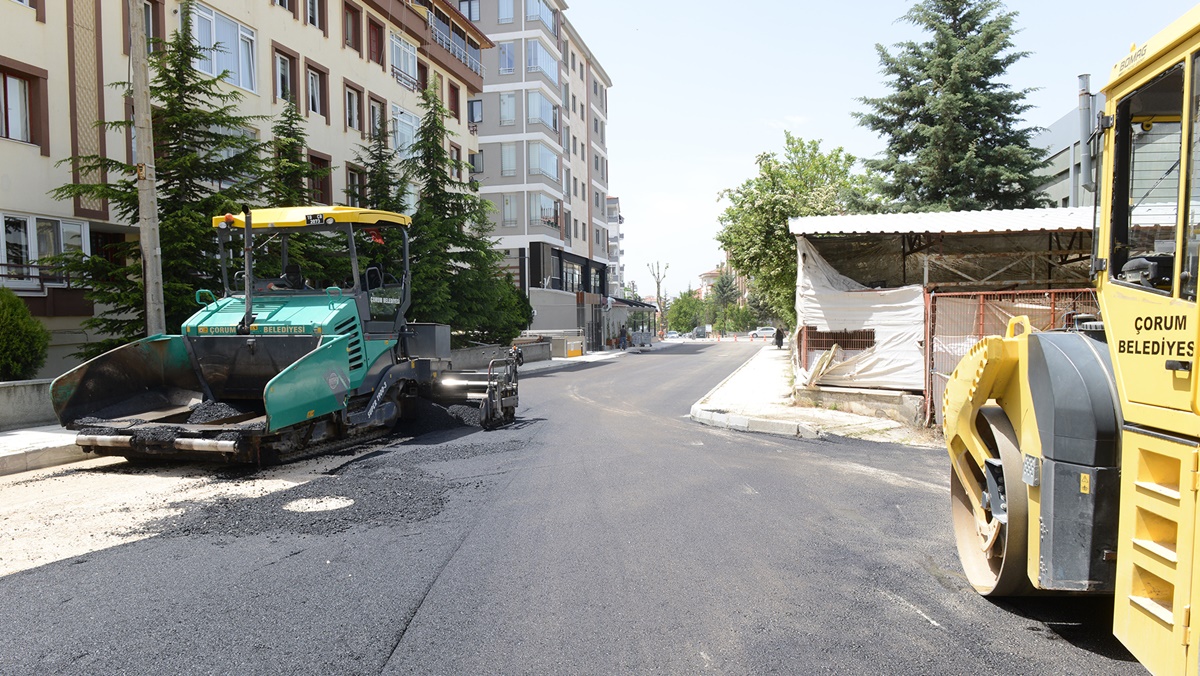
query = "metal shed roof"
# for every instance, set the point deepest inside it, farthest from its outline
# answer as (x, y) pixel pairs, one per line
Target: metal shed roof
(947, 222)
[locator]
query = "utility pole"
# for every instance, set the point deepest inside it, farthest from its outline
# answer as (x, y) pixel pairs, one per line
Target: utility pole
(156, 322)
(659, 272)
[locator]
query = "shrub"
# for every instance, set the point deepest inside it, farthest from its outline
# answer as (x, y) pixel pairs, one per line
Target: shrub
(23, 339)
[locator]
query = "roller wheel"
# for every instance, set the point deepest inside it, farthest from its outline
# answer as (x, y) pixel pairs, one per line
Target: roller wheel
(993, 550)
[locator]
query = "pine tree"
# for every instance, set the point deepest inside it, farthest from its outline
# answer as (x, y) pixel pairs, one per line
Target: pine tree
(951, 125)
(384, 182)
(456, 273)
(289, 173)
(205, 163)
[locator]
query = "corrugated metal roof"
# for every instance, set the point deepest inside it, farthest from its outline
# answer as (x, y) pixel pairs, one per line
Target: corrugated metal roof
(947, 222)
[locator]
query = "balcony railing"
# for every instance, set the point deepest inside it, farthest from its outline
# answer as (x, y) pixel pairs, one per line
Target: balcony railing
(459, 52)
(549, 124)
(407, 81)
(535, 10)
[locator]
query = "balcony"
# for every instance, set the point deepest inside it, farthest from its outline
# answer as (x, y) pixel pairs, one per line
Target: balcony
(536, 10)
(407, 81)
(459, 52)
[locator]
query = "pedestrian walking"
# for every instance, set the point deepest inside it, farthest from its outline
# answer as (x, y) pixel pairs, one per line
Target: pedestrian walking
(778, 338)
(623, 337)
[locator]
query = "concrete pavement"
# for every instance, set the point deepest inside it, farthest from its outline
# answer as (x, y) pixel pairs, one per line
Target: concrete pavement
(754, 398)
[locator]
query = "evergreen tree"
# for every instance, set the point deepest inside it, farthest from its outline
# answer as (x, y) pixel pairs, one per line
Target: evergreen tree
(384, 188)
(724, 294)
(384, 184)
(289, 173)
(951, 125)
(205, 164)
(456, 273)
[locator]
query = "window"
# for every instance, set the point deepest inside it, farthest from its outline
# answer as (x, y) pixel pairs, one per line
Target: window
(352, 28)
(476, 162)
(404, 130)
(543, 210)
(375, 42)
(27, 239)
(318, 95)
(510, 211)
(566, 181)
(229, 46)
(536, 10)
(543, 160)
(356, 182)
(452, 102)
(576, 229)
(538, 58)
(542, 110)
(286, 4)
(314, 13)
(353, 108)
(285, 77)
(404, 62)
(504, 11)
(508, 159)
(575, 187)
(375, 115)
(321, 186)
(422, 75)
(506, 58)
(14, 111)
(574, 145)
(596, 125)
(572, 62)
(152, 22)
(475, 111)
(1147, 157)
(508, 109)
(469, 8)
(455, 162)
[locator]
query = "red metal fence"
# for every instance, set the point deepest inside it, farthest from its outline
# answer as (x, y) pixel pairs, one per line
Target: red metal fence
(956, 321)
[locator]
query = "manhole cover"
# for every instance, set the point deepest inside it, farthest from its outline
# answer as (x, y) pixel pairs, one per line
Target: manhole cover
(324, 504)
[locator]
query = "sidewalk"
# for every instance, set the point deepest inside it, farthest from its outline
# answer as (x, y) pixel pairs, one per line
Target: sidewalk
(758, 398)
(754, 398)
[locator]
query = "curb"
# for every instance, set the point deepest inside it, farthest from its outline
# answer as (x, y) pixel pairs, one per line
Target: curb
(41, 458)
(741, 423)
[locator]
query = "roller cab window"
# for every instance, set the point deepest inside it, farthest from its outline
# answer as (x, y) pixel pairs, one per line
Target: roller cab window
(1148, 165)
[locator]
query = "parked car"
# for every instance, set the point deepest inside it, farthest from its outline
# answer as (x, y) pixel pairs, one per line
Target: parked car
(763, 332)
(672, 334)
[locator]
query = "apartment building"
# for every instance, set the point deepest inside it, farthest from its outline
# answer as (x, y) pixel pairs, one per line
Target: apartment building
(543, 129)
(347, 63)
(616, 248)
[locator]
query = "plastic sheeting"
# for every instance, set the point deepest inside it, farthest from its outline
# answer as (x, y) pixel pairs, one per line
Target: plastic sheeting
(827, 300)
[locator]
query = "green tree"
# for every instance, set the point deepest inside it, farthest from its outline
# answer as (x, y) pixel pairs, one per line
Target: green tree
(289, 174)
(384, 184)
(686, 312)
(754, 227)
(724, 293)
(205, 164)
(456, 273)
(952, 126)
(24, 340)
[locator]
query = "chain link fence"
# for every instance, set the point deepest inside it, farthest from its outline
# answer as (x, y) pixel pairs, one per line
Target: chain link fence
(956, 321)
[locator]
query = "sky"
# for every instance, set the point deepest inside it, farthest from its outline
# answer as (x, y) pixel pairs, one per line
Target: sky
(701, 88)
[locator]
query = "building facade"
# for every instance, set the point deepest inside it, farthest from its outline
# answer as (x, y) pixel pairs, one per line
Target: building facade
(348, 64)
(543, 136)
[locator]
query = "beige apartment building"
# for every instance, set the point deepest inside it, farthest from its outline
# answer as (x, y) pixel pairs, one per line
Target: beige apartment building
(348, 63)
(542, 127)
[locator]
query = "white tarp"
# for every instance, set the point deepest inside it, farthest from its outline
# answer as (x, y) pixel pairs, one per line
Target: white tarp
(826, 300)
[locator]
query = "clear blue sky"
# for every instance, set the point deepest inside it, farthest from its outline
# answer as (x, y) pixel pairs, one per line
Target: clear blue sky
(701, 88)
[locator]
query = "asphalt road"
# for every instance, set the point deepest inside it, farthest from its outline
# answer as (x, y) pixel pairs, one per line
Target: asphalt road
(604, 533)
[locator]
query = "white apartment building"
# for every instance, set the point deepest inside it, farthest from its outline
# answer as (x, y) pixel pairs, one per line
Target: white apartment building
(543, 126)
(347, 63)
